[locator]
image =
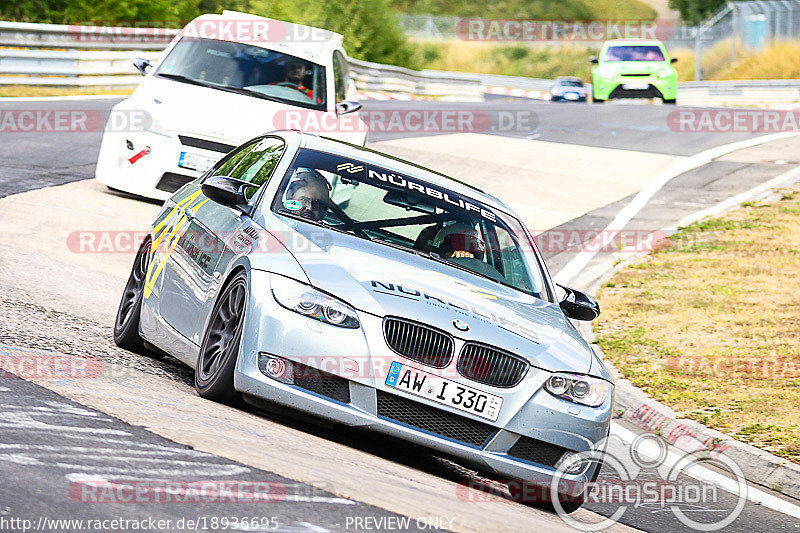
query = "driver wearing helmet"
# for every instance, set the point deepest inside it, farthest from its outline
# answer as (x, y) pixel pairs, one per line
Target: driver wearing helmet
(462, 244)
(295, 72)
(312, 191)
(460, 241)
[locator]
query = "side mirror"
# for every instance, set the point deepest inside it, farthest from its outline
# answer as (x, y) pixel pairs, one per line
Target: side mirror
(673, 60)
(141, 64)
(347, 106)
(593, 60)
(226, 191)
(579, 305)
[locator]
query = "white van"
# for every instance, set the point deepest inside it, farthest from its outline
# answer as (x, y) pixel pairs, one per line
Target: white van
(223, 80)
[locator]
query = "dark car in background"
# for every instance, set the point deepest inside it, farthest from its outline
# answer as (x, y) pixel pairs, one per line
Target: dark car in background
(568, 89)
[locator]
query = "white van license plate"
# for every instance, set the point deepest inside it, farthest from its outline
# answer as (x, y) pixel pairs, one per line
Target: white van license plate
(195, 162)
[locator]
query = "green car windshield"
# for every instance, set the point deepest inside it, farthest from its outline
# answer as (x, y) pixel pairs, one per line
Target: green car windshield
(634, 53)
(408, 213)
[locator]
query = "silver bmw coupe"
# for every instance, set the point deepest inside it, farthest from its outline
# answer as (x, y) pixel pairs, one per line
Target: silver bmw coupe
(327, 278)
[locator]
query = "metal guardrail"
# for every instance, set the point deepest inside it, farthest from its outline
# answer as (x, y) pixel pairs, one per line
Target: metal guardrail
(28, 35)
(71, 66)
(389, 78)
(741, 93)
(112, 66)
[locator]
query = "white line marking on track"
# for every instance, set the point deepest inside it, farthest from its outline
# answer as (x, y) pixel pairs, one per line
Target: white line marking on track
(733, 201)
(43, 449)
(582, 259)
(3, 389)
(27, 425)
(653, 451)
(205, 470)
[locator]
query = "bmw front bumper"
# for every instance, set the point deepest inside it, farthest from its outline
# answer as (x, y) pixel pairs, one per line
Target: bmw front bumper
(533, 431)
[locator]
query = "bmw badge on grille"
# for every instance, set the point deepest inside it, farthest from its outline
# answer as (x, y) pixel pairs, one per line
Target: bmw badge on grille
(460, 325)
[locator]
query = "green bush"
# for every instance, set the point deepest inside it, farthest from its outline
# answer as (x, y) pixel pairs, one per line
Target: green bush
(370, 28)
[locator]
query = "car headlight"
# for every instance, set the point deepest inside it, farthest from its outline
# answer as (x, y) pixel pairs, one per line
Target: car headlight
(607, 72)
(308, 301)
(665, 72)
(576, 388)
(153, 126)
(133, 120)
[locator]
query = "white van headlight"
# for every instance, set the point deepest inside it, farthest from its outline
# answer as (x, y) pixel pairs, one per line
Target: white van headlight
(127, 120)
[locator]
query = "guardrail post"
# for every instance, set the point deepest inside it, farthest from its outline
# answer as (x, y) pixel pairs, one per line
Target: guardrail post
(698, 75)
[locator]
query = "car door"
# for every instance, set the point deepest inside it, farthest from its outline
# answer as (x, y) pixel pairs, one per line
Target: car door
(210, 239)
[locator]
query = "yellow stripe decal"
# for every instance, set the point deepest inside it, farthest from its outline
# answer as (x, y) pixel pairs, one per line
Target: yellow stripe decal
(170, 240)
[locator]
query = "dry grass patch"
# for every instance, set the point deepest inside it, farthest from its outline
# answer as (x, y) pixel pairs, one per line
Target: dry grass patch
(41, 90)
(535, 61)
(710, 325)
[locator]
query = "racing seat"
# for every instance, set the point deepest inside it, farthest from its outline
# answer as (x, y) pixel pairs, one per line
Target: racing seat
(424, 242)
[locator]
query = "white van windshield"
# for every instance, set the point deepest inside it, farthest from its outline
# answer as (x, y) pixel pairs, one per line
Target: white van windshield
(245, 69)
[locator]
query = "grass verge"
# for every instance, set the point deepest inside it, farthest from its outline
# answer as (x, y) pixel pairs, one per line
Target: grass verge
(40, 90)
(710, 324)
(776, 61)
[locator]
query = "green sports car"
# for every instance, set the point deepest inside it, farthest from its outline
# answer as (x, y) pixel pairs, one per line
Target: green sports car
(634, 69)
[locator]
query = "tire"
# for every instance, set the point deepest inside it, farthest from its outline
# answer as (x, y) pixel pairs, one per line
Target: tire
(126, 323)
(669, 102)
(213, 375)
(597, 101)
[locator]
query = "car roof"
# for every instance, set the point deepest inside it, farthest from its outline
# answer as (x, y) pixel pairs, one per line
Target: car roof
(326, 144)
(634, 42)
(315, 49)
(568, 78)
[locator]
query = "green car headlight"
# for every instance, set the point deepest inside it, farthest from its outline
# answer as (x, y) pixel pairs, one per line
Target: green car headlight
(576, 388)
(665, 72)
(308, 301)
(607, 72)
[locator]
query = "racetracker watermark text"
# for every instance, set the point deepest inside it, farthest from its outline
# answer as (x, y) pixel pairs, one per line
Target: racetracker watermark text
(253, 30)
(733, 120)
(50, 120)
(252, 241)
(408, 121)
(35, 364)
(76, 121)
(177, 491)
(594, 30)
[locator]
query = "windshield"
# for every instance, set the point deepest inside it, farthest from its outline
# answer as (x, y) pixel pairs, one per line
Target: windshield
(247, 69)
(569, 83)
(380, 205)
(634, 53)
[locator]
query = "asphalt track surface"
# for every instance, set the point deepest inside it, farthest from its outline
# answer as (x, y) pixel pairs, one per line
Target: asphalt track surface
(39, 438)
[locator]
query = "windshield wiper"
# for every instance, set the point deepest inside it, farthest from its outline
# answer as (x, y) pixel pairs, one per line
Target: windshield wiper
(186, 79)
(228, 88)
(248, 92)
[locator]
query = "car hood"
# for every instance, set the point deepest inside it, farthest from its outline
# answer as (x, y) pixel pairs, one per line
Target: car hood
(385, 281)
(211, 113)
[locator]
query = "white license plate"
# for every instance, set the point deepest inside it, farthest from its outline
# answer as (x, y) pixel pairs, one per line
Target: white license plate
(571, 96)
(196, 162)
(444, 391)
(635, 86)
